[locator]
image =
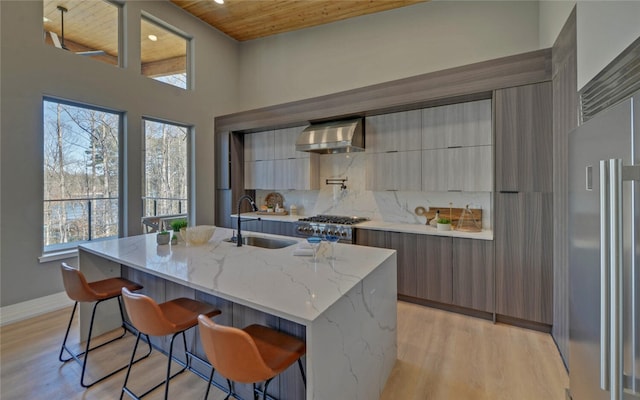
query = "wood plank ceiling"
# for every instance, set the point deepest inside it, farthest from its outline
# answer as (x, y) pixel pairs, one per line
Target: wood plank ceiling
(252, 19)
(89, 25)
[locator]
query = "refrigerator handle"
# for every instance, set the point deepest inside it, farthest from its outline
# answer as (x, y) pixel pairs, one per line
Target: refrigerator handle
(615, 279)
(604, 274)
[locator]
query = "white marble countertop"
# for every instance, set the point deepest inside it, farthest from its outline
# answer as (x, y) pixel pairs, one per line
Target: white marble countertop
(423, 230)
(271, 280)
(384, 226)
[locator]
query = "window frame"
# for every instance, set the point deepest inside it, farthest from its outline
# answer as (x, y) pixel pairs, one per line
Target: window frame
(189, 159)
(64, 250)
(189, 72)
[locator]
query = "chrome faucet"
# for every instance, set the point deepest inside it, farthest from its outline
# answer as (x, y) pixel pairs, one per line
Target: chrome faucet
(253, 206)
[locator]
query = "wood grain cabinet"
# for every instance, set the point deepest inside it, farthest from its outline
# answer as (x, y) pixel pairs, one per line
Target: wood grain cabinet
(434, 268)
(272, 162)
(393, 151)
(473, 274)
(400, 170)
(401, 131)
(524, 138)
(456, 147)
(524, 256)
(405, 245)
(457, 125)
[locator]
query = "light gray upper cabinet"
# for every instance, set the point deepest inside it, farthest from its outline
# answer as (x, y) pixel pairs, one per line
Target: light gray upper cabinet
(259, 174)
(297, 173)
(470, 169)
(457, 153)
(399, 131)
(400, 170)
(259, 146)
(272, 162)
(285, 143)
(457, 125)
(435, 170)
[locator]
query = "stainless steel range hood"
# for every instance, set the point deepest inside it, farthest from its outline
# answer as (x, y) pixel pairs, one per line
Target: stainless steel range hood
(332, 137)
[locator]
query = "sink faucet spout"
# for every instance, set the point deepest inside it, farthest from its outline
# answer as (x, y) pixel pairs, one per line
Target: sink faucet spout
(253, 206)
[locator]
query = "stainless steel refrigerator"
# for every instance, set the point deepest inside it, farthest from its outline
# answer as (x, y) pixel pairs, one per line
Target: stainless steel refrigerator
(604, 255)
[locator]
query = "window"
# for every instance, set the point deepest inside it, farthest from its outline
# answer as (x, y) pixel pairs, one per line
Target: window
(81, 174)
(163, 53)
(86, 28)
(165, 169)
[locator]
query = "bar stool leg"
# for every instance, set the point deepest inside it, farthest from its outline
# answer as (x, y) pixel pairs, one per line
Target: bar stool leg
(126, 377)
(66, 335)
(304, 377)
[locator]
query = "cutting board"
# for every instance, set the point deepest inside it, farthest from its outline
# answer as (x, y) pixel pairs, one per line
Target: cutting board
(452, 214)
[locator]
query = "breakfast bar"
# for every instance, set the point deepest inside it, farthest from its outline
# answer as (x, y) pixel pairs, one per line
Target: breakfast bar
(344, 307)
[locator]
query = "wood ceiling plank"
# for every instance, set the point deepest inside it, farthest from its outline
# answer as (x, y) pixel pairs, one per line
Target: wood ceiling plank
(250, 19)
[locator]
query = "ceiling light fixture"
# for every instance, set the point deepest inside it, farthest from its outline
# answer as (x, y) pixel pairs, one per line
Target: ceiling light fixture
(219, 1)
(153, 38)
(45, 19)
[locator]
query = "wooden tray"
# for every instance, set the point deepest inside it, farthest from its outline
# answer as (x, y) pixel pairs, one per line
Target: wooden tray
(454, 217)
(285, 212)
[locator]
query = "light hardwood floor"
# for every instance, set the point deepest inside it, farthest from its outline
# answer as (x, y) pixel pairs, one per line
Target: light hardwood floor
(441, 356)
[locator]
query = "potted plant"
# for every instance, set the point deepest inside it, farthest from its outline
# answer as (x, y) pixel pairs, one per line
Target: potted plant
(177, 226)
(444, 224)
(163, 237)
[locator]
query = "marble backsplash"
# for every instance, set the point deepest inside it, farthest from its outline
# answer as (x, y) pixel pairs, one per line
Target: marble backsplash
(391, 206)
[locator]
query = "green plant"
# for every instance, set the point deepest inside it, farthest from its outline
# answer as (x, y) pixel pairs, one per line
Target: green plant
(163, 232)
(177, 224)
(444, 221)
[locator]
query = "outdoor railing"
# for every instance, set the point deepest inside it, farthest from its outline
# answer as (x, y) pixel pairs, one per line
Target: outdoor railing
(80, 219)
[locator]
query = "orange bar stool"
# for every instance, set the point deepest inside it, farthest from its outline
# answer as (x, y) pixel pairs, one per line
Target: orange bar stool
(79, 290)
(250, 355)
(170, 318)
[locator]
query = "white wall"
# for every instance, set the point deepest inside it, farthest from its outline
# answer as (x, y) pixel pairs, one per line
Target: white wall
(604, 30)
(382, 47)
(30, 70)
(552, 14)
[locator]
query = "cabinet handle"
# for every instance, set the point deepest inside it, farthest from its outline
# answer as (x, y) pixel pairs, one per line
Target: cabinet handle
(392, 151)
(509, 191)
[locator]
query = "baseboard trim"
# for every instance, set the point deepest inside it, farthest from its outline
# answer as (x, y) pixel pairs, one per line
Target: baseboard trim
(33, 308)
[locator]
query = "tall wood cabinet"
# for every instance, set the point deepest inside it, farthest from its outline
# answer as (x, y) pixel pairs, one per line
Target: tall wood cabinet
(524, 138)
(523, 203)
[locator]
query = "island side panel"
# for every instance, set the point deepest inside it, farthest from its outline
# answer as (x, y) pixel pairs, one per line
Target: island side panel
(352, 346)
(96, 268)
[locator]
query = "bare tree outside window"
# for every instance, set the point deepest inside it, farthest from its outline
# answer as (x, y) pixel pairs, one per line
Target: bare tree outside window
(81, 174)
(165, 179)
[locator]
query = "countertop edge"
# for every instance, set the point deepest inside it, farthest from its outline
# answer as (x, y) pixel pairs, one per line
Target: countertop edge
(383, 226)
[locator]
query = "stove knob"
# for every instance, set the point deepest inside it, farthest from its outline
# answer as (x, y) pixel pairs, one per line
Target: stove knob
(330, 232)
(343, 233)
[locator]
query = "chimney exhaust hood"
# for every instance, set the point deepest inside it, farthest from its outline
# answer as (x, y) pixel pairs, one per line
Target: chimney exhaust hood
(332, 137)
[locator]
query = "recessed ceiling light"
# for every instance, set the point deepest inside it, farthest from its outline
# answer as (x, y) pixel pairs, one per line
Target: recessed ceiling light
(153, 38)
(219, 1)
(45, 19)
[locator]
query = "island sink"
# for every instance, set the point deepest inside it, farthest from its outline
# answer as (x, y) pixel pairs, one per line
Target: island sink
(265, 243)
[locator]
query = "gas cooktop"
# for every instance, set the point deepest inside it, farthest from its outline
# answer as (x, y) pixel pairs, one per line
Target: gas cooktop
(334, 219)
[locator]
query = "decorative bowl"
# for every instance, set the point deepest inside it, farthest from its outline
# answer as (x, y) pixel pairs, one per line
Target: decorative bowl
(199, 235)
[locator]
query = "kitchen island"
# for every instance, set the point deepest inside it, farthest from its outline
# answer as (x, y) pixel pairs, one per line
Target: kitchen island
(345, 309)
